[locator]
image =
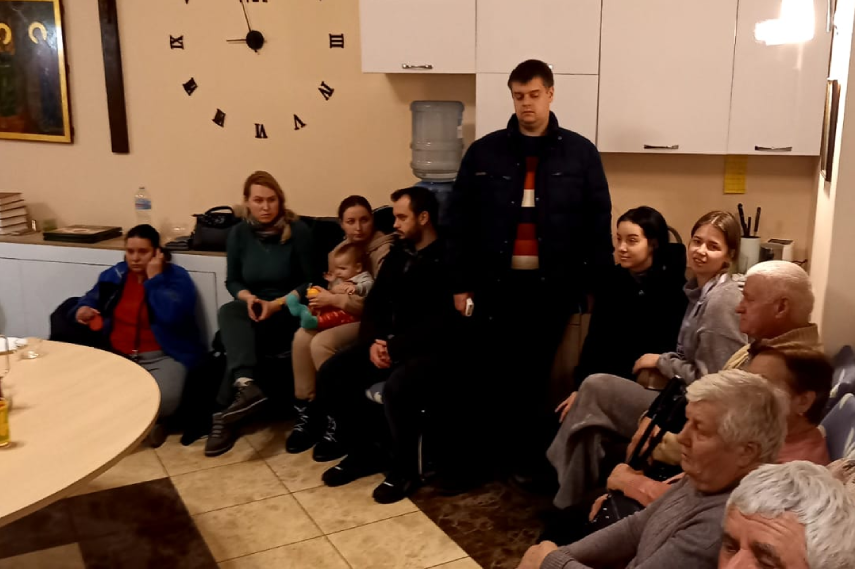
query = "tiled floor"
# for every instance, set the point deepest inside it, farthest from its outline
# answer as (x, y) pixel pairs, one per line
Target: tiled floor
(258, 507)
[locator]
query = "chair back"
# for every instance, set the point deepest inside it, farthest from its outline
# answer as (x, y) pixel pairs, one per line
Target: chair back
(844, 377)
(839, 427)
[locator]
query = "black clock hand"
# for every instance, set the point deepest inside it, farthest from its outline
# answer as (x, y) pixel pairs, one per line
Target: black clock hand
(246, 17)
(254, 40)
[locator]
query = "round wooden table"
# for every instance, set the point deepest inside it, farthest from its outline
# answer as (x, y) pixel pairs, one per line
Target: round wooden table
(76, 411)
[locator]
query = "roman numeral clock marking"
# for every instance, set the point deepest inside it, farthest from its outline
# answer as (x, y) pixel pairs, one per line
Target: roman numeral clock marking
(176, 42)
(190, 86)
(326, 90)
(220, 118)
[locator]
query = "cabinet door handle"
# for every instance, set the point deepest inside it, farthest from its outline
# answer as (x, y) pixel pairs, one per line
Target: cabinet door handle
(408, 66)
(659, 147)
(773, 148)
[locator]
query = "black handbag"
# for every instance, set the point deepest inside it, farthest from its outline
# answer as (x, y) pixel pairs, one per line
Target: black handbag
(212, 228)
(668, 412)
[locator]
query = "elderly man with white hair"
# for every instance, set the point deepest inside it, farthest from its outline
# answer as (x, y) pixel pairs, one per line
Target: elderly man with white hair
(736, 422)
(777, 302)
(789, 516)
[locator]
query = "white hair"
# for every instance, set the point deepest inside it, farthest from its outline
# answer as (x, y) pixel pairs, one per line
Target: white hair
(786, 280)
(815, 497)
(752, 410)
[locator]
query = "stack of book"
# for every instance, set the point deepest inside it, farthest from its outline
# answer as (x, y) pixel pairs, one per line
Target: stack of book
(13, 213)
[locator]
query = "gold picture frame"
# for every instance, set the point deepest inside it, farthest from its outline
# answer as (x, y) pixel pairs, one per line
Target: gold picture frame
(34, 101)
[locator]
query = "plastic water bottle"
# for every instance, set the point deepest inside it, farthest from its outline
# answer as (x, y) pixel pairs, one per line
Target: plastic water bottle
(142, 206)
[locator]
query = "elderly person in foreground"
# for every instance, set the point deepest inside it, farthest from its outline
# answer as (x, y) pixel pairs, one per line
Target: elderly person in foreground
(736, 422)
(789, 516)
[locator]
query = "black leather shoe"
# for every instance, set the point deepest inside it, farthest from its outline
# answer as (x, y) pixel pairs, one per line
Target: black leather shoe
(395, 488)
(329, 447)
(352, 468)
(222, 438)
(306, 432)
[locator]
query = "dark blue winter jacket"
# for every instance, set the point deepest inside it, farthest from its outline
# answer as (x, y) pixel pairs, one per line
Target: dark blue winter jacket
(171, 299)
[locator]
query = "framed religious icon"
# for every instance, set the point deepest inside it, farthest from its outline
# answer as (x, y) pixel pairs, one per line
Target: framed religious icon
(829, 129)
(34, 101)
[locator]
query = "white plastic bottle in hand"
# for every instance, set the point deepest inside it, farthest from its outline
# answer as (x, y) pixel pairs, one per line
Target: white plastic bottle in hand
(142, 206)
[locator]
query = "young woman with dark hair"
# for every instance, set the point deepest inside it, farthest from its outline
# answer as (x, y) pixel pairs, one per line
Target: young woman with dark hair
(146, 308)
(641, 305)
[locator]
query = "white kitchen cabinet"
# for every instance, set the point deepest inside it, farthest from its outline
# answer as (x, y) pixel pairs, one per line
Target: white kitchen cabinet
(778, 90)
(13, 317)
(665, 75)
(47, 284)
(563, 33)
(575, 103)
(417, 36)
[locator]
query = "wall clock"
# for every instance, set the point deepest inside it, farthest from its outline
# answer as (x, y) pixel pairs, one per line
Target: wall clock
(257, 33)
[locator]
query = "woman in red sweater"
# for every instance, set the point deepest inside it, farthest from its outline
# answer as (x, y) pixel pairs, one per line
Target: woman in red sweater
(146, 309)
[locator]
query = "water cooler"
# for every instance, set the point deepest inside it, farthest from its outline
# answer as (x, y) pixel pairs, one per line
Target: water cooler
(437, 148)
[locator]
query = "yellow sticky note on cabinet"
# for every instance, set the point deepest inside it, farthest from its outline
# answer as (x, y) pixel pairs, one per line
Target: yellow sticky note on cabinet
(735, 168)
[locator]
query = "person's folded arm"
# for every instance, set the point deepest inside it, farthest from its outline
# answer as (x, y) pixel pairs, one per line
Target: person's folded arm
(696, 545)
(615, 545)
(645, 490)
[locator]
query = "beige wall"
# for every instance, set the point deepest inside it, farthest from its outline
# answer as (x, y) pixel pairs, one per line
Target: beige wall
(833, 265)
(685, 187)
(358, 142)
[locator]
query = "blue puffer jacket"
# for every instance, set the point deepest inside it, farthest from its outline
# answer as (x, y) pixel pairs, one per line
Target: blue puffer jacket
(171, 299)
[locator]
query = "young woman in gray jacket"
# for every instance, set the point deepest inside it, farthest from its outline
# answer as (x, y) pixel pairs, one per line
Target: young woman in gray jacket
(710, 331)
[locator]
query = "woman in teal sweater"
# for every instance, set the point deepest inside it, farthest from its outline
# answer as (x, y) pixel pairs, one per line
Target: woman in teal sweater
(269, 255)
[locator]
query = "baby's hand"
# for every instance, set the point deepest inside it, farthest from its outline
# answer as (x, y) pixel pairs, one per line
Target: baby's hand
(348, 288)
(340, 288)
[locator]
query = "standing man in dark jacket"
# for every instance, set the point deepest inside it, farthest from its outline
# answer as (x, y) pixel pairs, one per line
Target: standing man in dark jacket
(530, 222)
(406, 339)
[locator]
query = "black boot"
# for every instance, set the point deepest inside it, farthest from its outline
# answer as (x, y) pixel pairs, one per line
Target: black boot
(329, 447)
(306, 428)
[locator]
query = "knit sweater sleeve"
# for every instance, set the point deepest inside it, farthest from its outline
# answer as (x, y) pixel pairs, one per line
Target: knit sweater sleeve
(695, 543)
(614, 545)
(718, 338)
